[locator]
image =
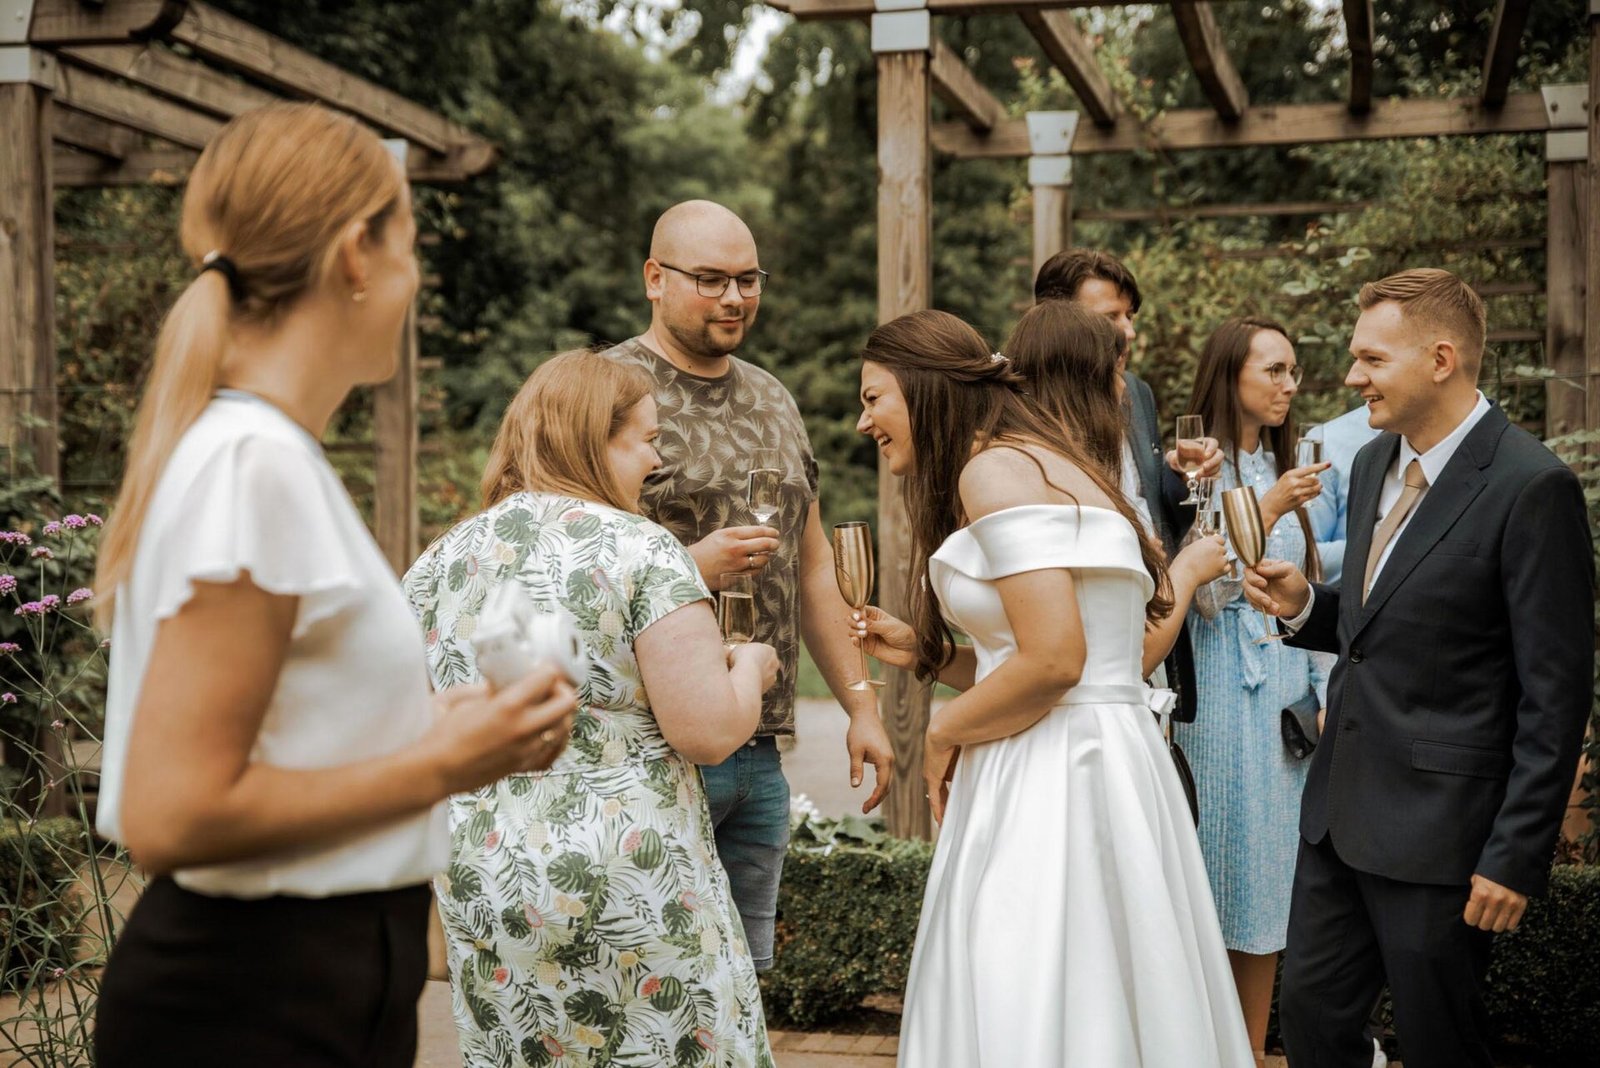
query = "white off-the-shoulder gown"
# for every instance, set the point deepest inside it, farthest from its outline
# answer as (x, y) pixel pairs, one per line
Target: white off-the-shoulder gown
(1067, 922)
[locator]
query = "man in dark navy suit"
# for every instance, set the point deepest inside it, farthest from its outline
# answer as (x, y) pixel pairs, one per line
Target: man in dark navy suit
(1465, 632)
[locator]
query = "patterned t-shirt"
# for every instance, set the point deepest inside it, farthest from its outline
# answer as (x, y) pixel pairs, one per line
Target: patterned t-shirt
(710, 429)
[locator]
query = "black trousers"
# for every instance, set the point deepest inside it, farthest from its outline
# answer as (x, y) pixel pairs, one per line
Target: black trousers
(280, 981)
(1347, 931)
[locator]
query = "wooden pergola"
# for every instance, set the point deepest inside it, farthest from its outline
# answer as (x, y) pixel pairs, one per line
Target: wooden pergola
(913, 63)
(127, 92)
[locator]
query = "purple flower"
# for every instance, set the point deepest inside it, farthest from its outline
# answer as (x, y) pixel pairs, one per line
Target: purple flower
(10, 648)
(8, 584)
(80, 595)
(93, 519)
(49, 603)
(56, 724)
(74, 522)
(30, 608)
(8, 698)
(41, 553)
(14, 537)
(52, 529)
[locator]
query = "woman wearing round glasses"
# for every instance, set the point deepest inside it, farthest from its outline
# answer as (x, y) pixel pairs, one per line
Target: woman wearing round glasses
(1248, 778)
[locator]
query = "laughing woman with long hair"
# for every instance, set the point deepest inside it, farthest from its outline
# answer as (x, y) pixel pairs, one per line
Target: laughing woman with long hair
(1067, 920)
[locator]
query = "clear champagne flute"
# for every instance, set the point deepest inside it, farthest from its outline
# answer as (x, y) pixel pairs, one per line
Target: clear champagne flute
(1205, 511)
(1191, 452)
(1249, 538)
(855, 572)
(1308, 451)
(766, 478)
(736, 609)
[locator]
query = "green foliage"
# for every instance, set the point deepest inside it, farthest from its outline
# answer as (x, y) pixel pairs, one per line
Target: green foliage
(1544, 992)
(847, 916)
(39, 913)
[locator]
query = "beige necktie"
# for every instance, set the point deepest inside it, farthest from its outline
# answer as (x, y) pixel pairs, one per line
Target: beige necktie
(1416, 482)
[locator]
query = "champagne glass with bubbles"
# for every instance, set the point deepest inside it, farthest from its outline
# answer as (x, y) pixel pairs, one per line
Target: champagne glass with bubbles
(736, 609)
(855, 572)
(1191, 452)
(766, 479)
(1249, 537)
(1309, 451)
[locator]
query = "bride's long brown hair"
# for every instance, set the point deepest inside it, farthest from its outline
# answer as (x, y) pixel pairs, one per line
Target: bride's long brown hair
(957, 394)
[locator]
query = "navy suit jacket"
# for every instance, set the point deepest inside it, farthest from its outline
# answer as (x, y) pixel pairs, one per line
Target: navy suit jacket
(1457, 708)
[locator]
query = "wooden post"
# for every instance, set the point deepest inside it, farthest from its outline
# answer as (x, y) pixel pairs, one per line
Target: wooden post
(1591, 298)
(394, 435)
(27, 259)
(1566, 146)
(902, 41)
(1050, 135)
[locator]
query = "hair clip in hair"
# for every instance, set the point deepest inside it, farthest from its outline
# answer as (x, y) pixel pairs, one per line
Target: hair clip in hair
(999, 357)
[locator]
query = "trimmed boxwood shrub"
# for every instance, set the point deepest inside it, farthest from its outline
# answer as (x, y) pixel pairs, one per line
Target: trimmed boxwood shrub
(850, 901)
(39, 912)
(847, 916)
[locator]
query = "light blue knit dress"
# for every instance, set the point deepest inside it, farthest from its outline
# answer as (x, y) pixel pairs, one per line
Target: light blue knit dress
(1249, 785)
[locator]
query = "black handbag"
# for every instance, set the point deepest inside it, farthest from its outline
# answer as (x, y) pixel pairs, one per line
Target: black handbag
(1186, 776)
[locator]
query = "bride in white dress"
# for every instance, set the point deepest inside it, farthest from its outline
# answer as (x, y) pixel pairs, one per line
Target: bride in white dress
(1067, 920)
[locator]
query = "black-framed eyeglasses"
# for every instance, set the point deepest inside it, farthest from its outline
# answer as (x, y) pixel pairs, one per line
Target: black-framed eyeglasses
(751, 283)
(1276, 371)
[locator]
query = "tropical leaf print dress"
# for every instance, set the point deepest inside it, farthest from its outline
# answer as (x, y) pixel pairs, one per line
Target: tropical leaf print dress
(587, 917)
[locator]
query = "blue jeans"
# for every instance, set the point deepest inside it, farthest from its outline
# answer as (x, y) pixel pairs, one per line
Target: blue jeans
(749, 799)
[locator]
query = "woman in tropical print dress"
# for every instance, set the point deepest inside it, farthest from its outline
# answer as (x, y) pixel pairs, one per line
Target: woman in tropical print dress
(587, 917)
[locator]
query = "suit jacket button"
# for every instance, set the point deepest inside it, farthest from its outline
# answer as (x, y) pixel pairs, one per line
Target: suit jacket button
(1355, 656)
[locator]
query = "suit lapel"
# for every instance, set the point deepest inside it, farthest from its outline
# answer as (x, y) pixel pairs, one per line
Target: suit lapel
(1459, 484)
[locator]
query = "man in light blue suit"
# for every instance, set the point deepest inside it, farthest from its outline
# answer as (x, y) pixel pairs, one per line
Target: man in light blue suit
(1341, 439)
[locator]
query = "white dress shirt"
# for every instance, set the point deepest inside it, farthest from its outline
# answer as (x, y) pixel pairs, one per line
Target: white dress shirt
(1433, 464)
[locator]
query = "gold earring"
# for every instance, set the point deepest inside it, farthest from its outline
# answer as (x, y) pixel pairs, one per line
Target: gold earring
(359, 296)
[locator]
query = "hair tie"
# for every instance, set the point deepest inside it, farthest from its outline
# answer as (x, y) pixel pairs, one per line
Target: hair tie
(999, 357)
(216, 261)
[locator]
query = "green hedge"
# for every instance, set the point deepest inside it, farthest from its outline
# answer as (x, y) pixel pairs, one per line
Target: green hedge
(850, 901)
(847, 915)
(39, 912)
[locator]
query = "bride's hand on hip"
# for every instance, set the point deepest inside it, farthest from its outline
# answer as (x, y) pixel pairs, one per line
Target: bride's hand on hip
(886, 639)
(938, 768)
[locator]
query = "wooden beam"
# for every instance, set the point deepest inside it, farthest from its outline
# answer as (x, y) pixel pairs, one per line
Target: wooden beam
(1208, 54)
(807, 10)
(127, 106)
(27, 279)
(1358, 30)
(1505, 42)
(1069, 50)
(169, 166)
(905, 284)
(1287, 124)
(90, 134)
(186, 81)
(1223, 211)
(394, 432)
(956, 85)
(249, 50)
(61, 22)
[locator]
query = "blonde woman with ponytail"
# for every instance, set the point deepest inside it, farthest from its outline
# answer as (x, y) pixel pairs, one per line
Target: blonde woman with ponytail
(273, 757)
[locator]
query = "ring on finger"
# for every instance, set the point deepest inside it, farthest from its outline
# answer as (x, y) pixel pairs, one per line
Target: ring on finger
(548, 736)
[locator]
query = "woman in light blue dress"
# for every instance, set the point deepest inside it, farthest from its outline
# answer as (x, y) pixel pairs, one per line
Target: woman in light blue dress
(1248, 782)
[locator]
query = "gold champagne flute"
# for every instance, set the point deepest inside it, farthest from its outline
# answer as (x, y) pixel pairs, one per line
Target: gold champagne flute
(1249, 538)
(855, 572)
(1191, 452)
(736, 609)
